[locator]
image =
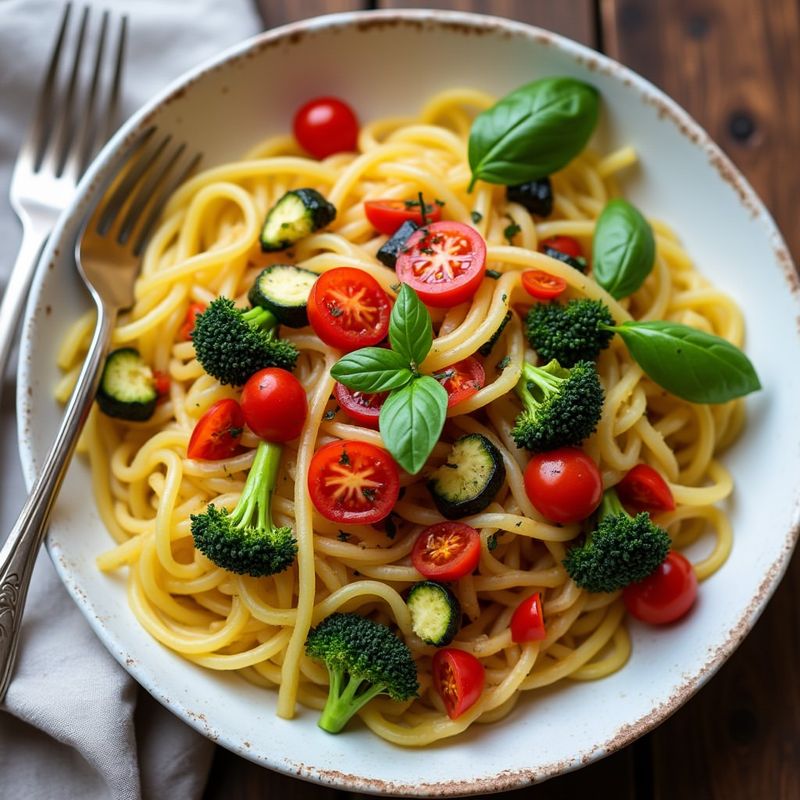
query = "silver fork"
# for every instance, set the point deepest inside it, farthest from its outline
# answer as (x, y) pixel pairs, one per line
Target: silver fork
(108, 255)
(73, 118)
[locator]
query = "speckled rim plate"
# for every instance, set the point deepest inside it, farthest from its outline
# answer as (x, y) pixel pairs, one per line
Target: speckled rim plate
(226, 105)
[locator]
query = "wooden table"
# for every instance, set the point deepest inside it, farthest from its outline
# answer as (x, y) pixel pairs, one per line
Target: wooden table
(735, 65)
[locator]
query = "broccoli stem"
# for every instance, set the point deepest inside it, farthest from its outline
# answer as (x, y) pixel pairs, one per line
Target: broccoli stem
(344, 701)
(259, 317)
(256, 498)
(611, 505)
(544, 381)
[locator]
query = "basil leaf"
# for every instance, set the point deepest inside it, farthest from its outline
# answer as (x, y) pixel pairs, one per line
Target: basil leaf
(411, 421)
(623, 250)
(410, 329)
(692, 364)
(532, 132)
(372, 369)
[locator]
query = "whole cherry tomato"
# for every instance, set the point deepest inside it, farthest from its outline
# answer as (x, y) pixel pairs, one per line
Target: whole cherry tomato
(665, 595)
(643, 489)
(274, 405)
(443, 262)
(218, 432)
(386, 216)
(462, 380)
(527, 621)
(348, 309)
(446, 551)
(361, 407)
(353, 482)
(458, 678)
(542, 285)
(326, 125)
(564, 485)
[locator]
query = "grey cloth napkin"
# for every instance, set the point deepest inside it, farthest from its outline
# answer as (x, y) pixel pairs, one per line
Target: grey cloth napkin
(74, 724)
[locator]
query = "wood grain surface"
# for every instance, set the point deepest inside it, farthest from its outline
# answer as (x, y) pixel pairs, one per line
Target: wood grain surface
(735, 66)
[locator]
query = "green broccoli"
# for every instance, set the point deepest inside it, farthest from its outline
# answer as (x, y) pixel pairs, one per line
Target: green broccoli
(623, 549)
(560, 406)
(232, 343)
(364, 659)
(245, 540)
(569, 333)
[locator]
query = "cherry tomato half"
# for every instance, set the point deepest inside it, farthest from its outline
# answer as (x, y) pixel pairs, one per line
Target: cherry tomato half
(462, 380)
(643, 489)
(446, 551)
(444, 262)
(386, 216)
(527, 621)
(326, 125)
(458, 678)
(359, 406)
(162, 382)
(664, 596)
(542, 285)
(353, 482)
(188, 324)
(564, 244)
(218, 432)
(348, 309)
(564, 485)
(274, 405)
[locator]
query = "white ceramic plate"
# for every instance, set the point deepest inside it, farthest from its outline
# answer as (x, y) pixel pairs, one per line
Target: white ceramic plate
(251, 91)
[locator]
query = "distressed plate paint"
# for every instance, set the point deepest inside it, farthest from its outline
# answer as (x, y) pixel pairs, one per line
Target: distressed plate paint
(226, 106)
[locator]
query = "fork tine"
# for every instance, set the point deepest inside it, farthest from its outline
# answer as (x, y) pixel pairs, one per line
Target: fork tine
(116, 84)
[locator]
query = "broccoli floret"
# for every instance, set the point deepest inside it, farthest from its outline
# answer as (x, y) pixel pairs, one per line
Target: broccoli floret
(232, 343)
(364, 659)
(560, 406)
(623, 549)
(569, 333)
(245, 540)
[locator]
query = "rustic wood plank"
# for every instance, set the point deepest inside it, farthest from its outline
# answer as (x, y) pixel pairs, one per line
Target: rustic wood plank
(735, 66)
(572, 18)
(279, 12)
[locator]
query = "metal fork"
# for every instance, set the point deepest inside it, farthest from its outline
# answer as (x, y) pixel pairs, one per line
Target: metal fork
(71, 122)
(108, 255)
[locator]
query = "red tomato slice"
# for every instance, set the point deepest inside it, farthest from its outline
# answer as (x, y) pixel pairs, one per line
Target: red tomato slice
(162, 383)
(542, 285)
(564, 244)
(353, 482)
(188, 325)
(359, 406)
(348, 309)
(326, 125)
(564, 485)
(386, 216)
(218, 432)
(274, 404)
(458, 678)
(666, 595)
(643, 489)
(446, 551)
(462, 380)
(444, 262)
(527, 621)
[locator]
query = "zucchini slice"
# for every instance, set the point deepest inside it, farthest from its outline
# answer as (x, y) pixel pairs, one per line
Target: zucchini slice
(127, 387)
(470, 478)
(394, 245)
(297, 214)
(435, 612)
(283, 289)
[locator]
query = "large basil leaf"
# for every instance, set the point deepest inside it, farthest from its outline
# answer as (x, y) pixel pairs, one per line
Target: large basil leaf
(410, 329)
(692, 364)
(532, 132)
(623, 250)
(372, 369)
(411, 421)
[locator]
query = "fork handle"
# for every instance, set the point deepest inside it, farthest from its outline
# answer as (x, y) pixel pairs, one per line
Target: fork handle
(18, 554)
(35, 231)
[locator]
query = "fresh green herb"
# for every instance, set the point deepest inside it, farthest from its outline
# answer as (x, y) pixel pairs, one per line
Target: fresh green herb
(511, 230)
(491, 542)
(476, 216)
(344, 459)
(493, 274)
(423, 210)
(503, 363)
(486, 348)
(533, 131)
(439, 202)
(335, 310)
(372, 369)
(410, 328)
(330, 414)
(369, 494)
(623, 250)
(343, 536)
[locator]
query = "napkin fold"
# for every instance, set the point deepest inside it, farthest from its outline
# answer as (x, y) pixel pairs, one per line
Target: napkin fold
(74, 724)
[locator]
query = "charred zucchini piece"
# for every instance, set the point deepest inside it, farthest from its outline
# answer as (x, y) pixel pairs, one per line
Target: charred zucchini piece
(127, 386)
(394, 245)
(435, 612)
(297, 214)
(470, 478)
(283, 289)
(578, 263)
